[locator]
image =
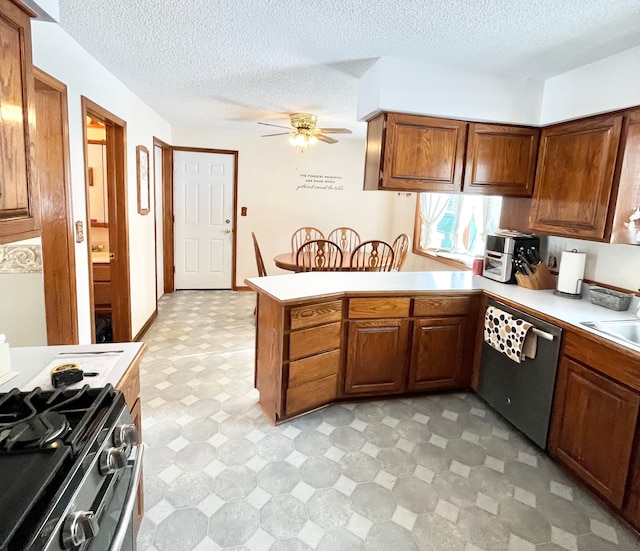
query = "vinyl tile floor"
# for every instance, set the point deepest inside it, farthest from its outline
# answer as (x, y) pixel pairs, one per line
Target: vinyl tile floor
(431, 473)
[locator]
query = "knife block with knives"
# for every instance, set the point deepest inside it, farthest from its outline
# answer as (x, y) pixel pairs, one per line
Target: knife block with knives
(540, 277)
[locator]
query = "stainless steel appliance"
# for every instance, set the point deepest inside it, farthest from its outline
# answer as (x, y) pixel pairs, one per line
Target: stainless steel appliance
(502, 252)
(523, 393)
(70, 464)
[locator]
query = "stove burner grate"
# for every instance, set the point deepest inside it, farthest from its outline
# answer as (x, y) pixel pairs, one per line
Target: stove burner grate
(37, 432)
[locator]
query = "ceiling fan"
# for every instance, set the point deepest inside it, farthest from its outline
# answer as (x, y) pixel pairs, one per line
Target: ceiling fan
(305, 133)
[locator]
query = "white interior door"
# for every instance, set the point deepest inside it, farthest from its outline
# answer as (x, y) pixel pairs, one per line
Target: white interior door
(203, 219)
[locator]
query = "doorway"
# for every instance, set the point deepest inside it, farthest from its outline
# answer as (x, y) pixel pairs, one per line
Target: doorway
(107, 224)
(204, 206)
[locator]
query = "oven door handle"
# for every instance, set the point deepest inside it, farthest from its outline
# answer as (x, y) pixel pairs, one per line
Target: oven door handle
(129, 501)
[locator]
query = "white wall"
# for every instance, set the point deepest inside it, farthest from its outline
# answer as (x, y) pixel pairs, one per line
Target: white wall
(269, 176)
(56, 53)
(605, 85)
(22, 312)
(428, 89)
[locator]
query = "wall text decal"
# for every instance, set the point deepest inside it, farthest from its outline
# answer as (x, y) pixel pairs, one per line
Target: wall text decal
(321, 182)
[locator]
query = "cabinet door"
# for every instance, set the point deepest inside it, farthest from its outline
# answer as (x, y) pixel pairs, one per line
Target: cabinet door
(501, 160)
(574, 180)
(593, 427)
(376, 356)
(436, 353)
(18, 198)
(423, 153)
(628, 198)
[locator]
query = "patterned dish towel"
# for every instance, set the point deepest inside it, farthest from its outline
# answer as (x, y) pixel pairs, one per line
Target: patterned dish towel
(509, 335)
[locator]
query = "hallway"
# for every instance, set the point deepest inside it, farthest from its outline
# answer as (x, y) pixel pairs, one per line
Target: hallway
(432, 473)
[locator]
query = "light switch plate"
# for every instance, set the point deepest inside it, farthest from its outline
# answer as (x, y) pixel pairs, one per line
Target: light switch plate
(79, 231)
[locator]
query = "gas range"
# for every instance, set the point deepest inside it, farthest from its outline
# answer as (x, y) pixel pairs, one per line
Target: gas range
(70, 463)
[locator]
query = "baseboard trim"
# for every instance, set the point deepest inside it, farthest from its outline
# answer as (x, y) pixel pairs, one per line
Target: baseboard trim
(146, 326)
(243, 288)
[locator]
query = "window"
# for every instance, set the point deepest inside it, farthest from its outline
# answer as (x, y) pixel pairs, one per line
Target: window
(454, 226)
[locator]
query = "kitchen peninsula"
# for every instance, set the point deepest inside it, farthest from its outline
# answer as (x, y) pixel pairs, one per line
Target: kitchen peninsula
(329, 337)
(315, 329)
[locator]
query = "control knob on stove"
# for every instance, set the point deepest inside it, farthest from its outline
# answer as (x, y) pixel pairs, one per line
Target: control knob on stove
(78, 527)
(112, 460)
(125, 435)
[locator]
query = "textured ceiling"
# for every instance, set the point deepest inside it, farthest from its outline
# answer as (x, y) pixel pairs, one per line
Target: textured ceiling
(230, 63)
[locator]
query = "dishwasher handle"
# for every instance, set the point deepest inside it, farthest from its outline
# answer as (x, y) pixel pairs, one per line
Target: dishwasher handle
(542, 334)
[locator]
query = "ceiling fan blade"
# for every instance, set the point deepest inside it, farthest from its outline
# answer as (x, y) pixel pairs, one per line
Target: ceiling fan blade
(276, 125)
(326, 139)
(334, 130)
(278, 134)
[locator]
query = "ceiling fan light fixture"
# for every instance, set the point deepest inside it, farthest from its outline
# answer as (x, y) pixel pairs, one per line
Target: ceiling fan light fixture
(303, 139)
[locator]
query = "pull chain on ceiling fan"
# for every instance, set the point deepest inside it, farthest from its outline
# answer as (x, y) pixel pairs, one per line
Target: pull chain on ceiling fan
(305, 133)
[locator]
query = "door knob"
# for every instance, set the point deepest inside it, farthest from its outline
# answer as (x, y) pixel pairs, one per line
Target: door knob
(228, 230)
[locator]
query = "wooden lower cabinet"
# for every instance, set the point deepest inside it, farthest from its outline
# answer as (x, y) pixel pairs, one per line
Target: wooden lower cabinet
(313, 382)
(376, 356)
(312, 354)
(593, 428)
(436, 353)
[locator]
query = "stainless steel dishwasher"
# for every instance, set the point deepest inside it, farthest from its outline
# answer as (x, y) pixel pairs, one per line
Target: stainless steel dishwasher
(523, 392)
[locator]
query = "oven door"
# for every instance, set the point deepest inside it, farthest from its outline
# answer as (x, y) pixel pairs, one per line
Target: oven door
(116, 510)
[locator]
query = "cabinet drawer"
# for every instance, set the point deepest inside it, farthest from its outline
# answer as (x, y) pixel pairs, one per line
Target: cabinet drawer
(311, 395)
(441, 306)
(102, 294)
(101, 272)
(363, 308)
(313, 341)
(621, 366)
(315, 314)
(314, 368)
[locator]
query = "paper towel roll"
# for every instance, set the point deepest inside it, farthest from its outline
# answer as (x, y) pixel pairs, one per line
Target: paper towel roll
(571, 272)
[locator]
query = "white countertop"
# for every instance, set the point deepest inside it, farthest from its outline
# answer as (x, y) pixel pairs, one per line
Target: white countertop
(306, 285)
(30, 361)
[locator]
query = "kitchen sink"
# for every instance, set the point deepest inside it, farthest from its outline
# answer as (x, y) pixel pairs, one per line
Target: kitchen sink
(626, 330)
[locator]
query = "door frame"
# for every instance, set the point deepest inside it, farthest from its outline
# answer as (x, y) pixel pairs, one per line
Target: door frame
(168, 218)
(57, 233)
(166, 213)
(116, 129)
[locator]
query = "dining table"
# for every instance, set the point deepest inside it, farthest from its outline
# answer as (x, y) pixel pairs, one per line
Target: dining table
(287, 261)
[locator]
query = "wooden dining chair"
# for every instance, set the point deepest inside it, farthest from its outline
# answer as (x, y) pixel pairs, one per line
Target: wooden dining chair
(302, 235)
(259, 262)
(346, 238)
(400, 250)
(319, 254)
(262, 271)
(372, 256)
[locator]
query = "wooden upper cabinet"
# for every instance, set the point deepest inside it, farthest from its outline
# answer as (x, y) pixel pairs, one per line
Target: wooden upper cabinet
(415, 153)
(628, 199)
(575, 178)
(501, 160)
(19, 209)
